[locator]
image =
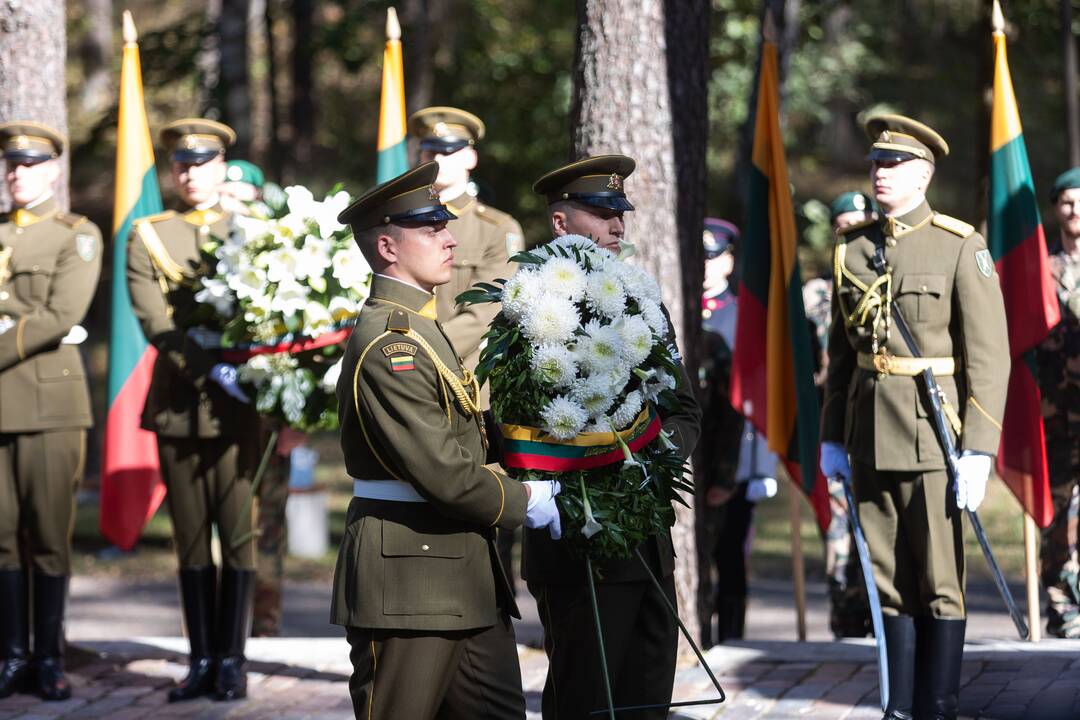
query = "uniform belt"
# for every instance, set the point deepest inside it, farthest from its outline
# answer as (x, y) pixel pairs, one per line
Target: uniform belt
(906, 366)
(393, 490)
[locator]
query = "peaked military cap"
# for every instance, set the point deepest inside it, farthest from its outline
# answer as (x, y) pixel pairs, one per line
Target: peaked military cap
(408, 198)
(898, 138)
(596, 181)
(850, 202)
(445, 130)
(30, 142)
(718, 237)
(1065, 181)
(196, 140)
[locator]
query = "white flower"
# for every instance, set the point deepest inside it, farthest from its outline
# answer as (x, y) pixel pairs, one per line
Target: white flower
(628, 411)
(313, 258)
(604, 294)
(328, 211)
(329, 380)
(655, 382)
(342, 308)
(571, 241)
(563, 418)
(301, 202)
(246, 229)
(563, 276)
(350, 268)
(602, 424)
(280, 263)
(601, 349)
(637, 339)
(552, 320)
(553, 364)
(654, 316)
(292, 226)
(255, 370)
(520, 293)
(247, 283)
(317, 319)
(594, 393)
(289, 298)
(639, 284)
(257, 308)
(216, 292)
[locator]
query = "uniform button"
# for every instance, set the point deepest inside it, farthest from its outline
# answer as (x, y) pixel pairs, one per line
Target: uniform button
(4, 295)
(922, 288)
(891, 242)
(425, 548)
(18, 231)
(66, 372)
(35, 268)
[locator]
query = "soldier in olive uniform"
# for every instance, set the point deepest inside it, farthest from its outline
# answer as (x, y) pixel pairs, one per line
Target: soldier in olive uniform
(1059, 381)
(942, 276)
(418, 584)
(486, 239)
(640, 636)
(207, 431)
(49, 266)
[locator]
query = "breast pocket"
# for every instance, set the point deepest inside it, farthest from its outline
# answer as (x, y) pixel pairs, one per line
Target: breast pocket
(921, 296)
(32, 279)
(422, 572)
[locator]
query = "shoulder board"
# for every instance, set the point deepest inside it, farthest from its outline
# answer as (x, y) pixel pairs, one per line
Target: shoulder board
(956, 227)
(157, 218)
(71, 220)
(398, 321)
(490, 214)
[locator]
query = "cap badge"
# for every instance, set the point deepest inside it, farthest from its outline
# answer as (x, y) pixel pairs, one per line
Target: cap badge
(440, 129)
(858, 202)
(433, 194)
(615, 181)
(190, 142)
(21, 142)
(885, 136)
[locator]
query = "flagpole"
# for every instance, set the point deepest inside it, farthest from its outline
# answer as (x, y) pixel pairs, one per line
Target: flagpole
(1031, 566)
(798, 567)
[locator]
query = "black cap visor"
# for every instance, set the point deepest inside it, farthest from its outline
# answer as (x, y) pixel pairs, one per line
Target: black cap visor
(26, 157)
(609, 201)
(443, 146)
(890, 156)
(424, 216)
(194, 156)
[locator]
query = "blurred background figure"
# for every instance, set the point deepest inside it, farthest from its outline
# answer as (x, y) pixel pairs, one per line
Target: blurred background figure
(734, 465)
(849, 611)
(1058, 358)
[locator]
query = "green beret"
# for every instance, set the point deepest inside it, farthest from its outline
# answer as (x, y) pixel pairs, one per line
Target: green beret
(850, 202)
(1065, 181)
(244, 172)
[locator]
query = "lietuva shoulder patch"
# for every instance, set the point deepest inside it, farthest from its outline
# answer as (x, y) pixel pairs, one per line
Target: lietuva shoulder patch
(398, 322)
(159, 217)
(71, 220)
(956, 227)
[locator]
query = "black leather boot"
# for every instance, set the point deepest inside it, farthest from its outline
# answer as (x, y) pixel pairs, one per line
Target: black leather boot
(198, 594)
(940, 653)
(234, 626)
(50, 595)
(14, 633)
(900, 651)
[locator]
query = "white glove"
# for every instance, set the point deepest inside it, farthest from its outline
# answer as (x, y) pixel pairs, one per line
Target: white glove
(542, 510)
(834, 460)
(973, 470)
(225, 376)
(760, 488)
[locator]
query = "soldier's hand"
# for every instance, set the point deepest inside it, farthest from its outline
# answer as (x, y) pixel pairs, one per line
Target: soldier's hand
(973, 470)
(225, 376)
(834, 460)
(541, 510)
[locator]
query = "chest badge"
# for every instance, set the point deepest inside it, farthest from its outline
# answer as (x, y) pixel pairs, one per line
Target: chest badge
(985, 262)
(86, 246)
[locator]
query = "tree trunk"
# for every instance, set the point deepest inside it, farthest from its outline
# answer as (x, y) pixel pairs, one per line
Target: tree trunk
(636, 61)
(430, 30)
(276, 153)
(33, 51)
(302, 109)
(208, 62)
(96, 51)
(233, 92)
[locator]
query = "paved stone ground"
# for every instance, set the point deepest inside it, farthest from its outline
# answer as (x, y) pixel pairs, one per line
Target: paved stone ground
(305, 674)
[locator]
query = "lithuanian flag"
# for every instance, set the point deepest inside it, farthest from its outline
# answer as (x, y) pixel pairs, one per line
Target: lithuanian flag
(131, 487)
(392, 157)
(772, 376)
(1018, 244)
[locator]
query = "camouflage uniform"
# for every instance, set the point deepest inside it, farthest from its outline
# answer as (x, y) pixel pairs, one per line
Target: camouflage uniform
(849, 611)
(1059, 380)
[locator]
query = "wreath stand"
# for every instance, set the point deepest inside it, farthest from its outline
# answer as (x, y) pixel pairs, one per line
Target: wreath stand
(611, 709)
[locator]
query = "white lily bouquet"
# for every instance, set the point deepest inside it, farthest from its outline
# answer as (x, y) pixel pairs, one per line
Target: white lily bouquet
(579, 363)
(279, 300)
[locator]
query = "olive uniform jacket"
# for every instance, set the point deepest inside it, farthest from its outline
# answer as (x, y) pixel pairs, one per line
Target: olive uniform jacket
(49, 267)
(944, 281)
(486, 238)
(431, 565)
(163, 258)
(547, 561)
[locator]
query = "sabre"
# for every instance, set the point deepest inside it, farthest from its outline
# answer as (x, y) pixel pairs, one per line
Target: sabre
(948, 447)
(872, 597)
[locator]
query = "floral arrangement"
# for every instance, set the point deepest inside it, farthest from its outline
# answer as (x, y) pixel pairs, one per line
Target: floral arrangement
(578, 361)
(279, 299)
